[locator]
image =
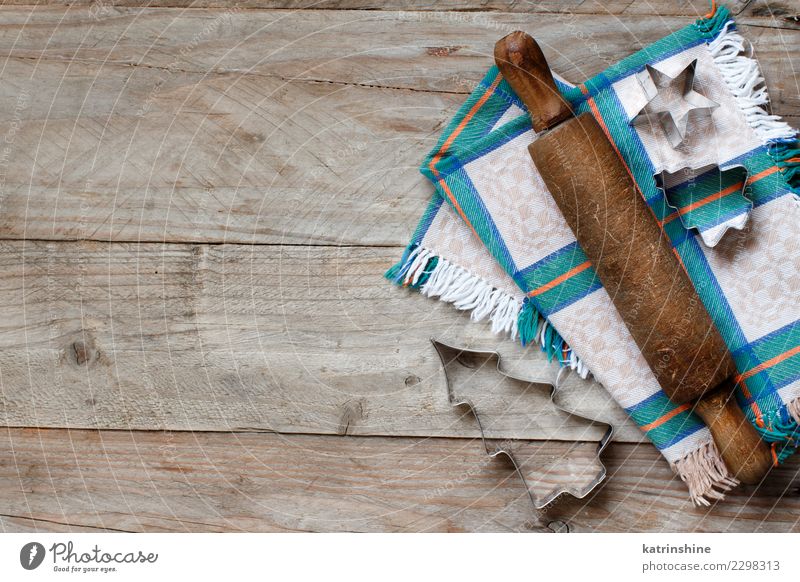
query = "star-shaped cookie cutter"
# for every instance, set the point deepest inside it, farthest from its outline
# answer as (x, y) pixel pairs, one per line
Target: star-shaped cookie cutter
(507, 447)
(672, 101)
(667, 181)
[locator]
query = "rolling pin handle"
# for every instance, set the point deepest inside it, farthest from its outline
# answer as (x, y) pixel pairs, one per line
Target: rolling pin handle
(747, 457)
(522, 64)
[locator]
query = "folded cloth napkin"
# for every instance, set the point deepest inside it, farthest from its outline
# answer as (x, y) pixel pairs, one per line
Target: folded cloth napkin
(493, 241)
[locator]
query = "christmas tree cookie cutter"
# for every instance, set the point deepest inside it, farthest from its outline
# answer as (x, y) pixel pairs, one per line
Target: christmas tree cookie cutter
(514, 449)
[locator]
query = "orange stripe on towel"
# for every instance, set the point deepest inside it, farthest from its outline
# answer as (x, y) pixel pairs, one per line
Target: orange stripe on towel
(704, 201)
(460, 127)
(449, 141)
(750, 180)
(768, 364)
(560, 279)
(671, 414)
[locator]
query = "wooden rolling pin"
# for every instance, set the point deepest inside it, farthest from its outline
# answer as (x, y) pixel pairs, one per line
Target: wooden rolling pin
(633, 257)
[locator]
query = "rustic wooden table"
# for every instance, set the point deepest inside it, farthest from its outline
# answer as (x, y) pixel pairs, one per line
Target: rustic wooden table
(197, 204)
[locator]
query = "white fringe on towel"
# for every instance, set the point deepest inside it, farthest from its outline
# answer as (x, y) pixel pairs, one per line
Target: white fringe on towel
(743, 77)
(455, 285)
(794, 409)
(705, 474)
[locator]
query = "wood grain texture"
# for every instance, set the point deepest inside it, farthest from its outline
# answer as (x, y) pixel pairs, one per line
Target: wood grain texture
(685, 8)
(58, 480)
(238, 178)
(220, 126)
(227, 337)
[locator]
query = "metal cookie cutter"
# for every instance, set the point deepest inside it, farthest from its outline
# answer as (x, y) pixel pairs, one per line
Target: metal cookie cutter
(521, 451)
(682, 191)
(673, 102)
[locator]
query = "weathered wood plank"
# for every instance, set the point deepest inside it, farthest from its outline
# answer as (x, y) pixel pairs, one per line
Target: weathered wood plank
(227, 337)
(642, 494)
(58, 480)
(162, 125)
(687, 8)
(262, 126)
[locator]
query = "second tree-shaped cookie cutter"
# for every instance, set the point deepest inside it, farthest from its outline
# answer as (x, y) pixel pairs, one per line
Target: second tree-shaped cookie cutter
(696, 197)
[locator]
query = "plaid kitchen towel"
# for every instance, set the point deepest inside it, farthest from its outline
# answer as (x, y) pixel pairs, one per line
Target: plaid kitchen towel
(493, 241)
